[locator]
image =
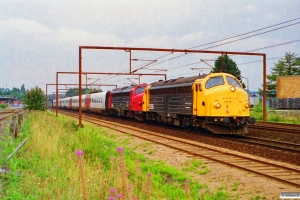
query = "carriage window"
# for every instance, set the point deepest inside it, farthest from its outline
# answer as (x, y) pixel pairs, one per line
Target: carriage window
(232, 81)
(214, 81)
(140, 90)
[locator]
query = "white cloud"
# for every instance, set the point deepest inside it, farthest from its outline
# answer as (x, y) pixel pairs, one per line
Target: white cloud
(250, 8)
(23, 27)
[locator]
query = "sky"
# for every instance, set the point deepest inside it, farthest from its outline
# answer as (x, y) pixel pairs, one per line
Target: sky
(39, 38)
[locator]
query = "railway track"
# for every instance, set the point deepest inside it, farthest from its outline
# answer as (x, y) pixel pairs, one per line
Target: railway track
(278, 124)
(291, 128)
(281, 172)
(6, 114)
(283, 146)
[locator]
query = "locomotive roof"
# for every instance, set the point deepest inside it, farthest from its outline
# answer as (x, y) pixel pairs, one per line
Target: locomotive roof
(178, 81)
(126, 88)
(123, 89)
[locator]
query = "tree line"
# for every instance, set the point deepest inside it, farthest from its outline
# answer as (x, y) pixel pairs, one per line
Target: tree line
(14, 92)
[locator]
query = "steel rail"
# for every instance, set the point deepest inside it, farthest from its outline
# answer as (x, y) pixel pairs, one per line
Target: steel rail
(272, 128)
(284, 146)
(280, 124)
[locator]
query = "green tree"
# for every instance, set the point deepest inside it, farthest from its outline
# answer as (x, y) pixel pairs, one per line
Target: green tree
(23, 89)
(74, 92)
(35, 99)
(227, 65)
(286, 66)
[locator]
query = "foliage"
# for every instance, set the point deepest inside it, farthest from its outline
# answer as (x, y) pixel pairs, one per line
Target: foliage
(286, 66)
(226, 64)
(75, 92)
(94, 91)
(273, 116)
(15, 92)
(2, 105)
(34, 99)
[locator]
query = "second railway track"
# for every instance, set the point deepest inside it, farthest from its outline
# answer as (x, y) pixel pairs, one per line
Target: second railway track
(282, 172)
(284, 146)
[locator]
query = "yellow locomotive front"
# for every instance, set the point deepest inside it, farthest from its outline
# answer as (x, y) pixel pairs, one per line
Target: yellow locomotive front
(222, 101)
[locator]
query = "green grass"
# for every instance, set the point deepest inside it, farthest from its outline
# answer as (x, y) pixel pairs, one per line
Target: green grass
(235, 186)
(273, 116)
(46, 167)
(196, 166)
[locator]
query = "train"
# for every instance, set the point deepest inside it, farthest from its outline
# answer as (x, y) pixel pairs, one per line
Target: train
(215, 102)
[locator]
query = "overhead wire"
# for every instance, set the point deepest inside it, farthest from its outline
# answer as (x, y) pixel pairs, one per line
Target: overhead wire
(245, 33)
(229, 42)
(260, 60)
(232, 38)
(252, 36)
(276, 45)
(232, 41)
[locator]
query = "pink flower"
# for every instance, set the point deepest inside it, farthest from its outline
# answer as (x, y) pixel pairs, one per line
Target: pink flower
(149, 175)
(112, 190)
(111, 198)
(79, 153)
(119, 196)
(187, 187)
(120, 149)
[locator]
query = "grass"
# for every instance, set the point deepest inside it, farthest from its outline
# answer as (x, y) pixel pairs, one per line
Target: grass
(235, 186)
(47, 167)
(273, 116)
(196, 166)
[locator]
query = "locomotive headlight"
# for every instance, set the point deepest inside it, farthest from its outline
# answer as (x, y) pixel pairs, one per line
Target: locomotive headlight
(232, 88)
(216, 105)
(247, 105)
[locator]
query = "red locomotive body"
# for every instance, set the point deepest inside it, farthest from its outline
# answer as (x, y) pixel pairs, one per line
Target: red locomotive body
(136, 98)
(127, 101)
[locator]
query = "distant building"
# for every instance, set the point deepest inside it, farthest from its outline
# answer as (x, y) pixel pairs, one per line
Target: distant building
(288, 87)
(254, 98)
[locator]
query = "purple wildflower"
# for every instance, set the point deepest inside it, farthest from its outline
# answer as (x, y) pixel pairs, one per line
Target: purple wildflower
(111, 198)
(187, 187)
(120, 149)
(149, 175)
(79, 153)
(119, 196)
(112, 190)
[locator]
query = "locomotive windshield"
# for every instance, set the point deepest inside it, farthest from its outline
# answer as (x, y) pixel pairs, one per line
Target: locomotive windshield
(232, 81)
(214, 81)
(140, 90)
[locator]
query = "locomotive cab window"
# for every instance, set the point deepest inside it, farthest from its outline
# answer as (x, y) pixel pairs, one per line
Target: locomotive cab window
(232, 81)
(214, 81)
(140, 90)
